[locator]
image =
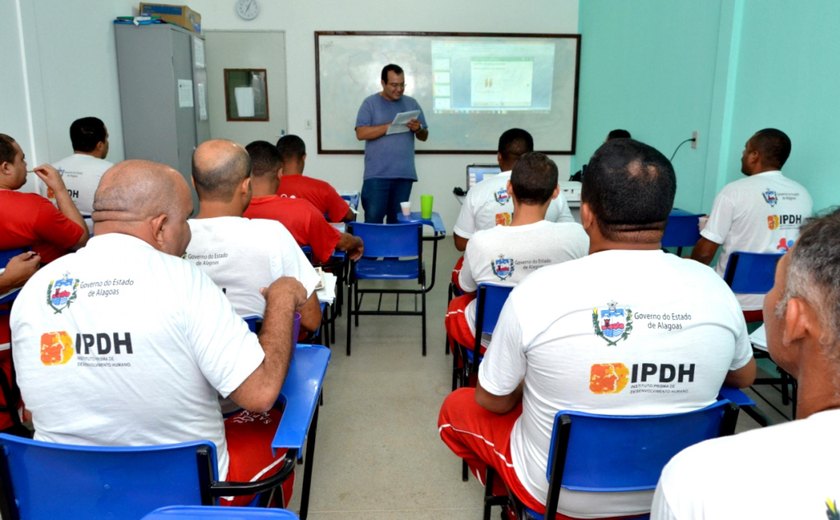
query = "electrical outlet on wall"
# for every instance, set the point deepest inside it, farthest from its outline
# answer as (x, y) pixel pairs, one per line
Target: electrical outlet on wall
(695, 136)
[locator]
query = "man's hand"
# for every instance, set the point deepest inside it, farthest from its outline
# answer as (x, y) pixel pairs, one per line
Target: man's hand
(419, 132)
(19, 269)
(285, 287)
(352, 245)
(357, 249)
(51, 178)
(65, 204)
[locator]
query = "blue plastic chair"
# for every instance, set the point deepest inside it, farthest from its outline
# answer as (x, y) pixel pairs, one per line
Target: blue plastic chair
(10, 391)
(43, 480)
(682, 230)
(490, 298)
(755, 273)
(612, 453)
(751, 273)
(228, 513)
(393, 252)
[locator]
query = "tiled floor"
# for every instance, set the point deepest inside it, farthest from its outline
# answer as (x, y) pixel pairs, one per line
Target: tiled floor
(378, 454)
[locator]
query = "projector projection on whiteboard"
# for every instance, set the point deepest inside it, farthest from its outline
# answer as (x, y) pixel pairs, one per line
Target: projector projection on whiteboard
(480, 76)
(472, 87)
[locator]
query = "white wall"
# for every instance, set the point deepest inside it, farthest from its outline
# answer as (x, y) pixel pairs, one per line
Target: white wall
(59, 65)
(69, 58)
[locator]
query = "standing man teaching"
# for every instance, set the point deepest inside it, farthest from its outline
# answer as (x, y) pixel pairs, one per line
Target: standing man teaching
(389, 158)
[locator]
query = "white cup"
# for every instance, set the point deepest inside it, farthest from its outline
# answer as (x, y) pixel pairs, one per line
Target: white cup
(406, 208)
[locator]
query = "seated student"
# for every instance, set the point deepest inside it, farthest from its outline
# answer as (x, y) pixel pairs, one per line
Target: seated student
(136, 343)
(488, 204)
(293, 183)
(507, 254)
(82, 170)
(303, 221)
(239, 254)
(571, 335)
(28, 220)
(787, 470)
(760, 213)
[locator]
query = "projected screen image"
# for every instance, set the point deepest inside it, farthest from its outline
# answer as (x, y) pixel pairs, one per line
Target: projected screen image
(471, 87)
(482, 76)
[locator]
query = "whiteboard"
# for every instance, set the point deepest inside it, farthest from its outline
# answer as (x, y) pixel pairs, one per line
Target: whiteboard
(471, 86)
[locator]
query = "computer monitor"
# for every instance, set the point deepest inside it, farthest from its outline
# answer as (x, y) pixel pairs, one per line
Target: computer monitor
(477, 172)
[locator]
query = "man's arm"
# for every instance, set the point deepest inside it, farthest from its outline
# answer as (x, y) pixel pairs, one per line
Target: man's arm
(65, 204)
(460, 242)
(310, 313)
(351, 244)
(19, 269)
(260, 390)
(349, 216)
(368, 133)
(497, 403)
(704, 251)
(741, 377)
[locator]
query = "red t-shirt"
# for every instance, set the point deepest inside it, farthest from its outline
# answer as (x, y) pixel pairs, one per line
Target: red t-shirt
(30, 220)
(303, 221)
(318, 192)
(27, 221)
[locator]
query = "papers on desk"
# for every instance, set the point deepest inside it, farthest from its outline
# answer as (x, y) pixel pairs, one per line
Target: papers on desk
(398, 126)
(759, 338)
(326, 288)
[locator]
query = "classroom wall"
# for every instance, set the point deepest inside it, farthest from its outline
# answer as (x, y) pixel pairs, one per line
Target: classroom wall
(58, 62)
(650, 67)
(70, 52)
(789, 78)
(658, 68)
(727, 68)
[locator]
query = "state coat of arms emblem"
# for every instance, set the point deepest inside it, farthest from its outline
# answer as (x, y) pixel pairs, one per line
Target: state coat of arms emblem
(612, 323)
(502, 267)
(62, 292)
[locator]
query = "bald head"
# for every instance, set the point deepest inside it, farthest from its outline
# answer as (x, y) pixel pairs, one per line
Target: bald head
(218, 169)
(139, 198)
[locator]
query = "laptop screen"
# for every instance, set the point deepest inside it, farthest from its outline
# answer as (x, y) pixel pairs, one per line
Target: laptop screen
(477, 172)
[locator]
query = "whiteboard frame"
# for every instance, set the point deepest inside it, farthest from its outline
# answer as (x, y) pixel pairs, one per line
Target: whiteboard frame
(331, 148)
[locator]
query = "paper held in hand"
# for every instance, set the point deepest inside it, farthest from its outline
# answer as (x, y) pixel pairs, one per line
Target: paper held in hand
(398, 126)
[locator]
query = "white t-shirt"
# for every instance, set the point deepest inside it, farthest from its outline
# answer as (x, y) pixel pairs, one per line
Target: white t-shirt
(122, 345)
(761, 213)
(242, 256)
(81, 174)
(488, 204)
(507, 254)
(779, 472)
(616, 332)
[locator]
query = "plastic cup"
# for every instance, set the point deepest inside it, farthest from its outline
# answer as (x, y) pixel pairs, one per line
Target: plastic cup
(426, 202)
(406, 208)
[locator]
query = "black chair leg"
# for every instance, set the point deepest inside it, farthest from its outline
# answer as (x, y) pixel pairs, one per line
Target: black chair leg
(423, 317)
(349, 310)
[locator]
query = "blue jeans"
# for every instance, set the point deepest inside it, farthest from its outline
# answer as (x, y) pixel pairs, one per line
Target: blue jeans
(382, 197)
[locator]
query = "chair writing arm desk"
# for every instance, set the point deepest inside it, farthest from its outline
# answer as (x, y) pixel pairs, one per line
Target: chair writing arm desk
(436, 222)
(300, 395)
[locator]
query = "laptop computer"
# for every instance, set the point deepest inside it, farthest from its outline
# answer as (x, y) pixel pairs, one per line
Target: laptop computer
(477, 172)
